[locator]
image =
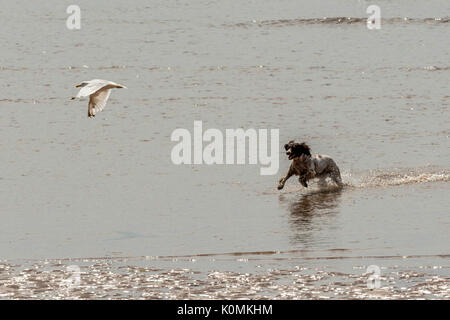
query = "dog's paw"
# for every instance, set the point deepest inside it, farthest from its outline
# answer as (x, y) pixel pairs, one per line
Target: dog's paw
(280, 186)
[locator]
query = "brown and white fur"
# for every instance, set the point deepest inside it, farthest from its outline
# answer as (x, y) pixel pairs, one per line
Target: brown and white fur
(308, 166)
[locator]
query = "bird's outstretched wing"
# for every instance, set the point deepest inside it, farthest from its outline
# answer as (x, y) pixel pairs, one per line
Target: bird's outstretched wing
(90, 87)
(97, 101)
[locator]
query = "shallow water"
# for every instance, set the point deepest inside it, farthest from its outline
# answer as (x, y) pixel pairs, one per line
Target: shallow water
(375, 100)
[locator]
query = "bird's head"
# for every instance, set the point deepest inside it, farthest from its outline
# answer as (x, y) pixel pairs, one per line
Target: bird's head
(81, 84)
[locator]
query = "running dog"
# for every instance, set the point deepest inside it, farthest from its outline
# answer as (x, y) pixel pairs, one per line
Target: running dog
(308, 166)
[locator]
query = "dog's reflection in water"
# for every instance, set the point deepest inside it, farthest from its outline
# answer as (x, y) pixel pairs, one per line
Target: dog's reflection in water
(312, 211)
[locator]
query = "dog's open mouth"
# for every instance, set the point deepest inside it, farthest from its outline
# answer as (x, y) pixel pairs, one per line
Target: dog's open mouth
(291, 156)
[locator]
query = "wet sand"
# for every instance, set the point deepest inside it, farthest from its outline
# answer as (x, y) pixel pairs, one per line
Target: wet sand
(377, 101)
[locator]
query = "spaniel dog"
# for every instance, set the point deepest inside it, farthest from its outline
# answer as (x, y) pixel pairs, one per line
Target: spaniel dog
(308, 166)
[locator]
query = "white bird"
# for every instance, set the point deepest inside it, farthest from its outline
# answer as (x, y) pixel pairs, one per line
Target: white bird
(98, 91)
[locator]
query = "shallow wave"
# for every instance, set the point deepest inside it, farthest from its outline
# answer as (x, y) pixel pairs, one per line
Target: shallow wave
(427, 68)
(336, 20)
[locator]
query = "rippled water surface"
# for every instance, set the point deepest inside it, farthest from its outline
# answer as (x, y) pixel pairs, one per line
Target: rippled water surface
(105, 193)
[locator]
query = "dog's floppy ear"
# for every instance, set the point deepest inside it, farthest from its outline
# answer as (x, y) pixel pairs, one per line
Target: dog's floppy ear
(287, 145)
(304, 149)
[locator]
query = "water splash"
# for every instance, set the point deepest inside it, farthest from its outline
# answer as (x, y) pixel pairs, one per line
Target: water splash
(371, 179)
(377, 179)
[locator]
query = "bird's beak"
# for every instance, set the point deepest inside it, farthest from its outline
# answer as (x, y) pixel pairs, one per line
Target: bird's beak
(78, 85)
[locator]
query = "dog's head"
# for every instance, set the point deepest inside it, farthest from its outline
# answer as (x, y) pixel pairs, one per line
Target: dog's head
(294, 149)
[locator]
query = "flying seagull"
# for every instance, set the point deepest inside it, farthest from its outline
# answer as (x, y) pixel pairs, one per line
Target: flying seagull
(98, 91)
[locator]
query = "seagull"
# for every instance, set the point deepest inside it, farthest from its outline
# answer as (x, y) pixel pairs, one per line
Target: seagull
(98, 91)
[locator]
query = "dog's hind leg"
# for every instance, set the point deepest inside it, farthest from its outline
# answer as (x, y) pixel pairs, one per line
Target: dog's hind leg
(336, 177)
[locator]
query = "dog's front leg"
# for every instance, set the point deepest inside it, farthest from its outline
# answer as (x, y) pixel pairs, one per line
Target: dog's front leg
(302, 179)
(284, 179)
